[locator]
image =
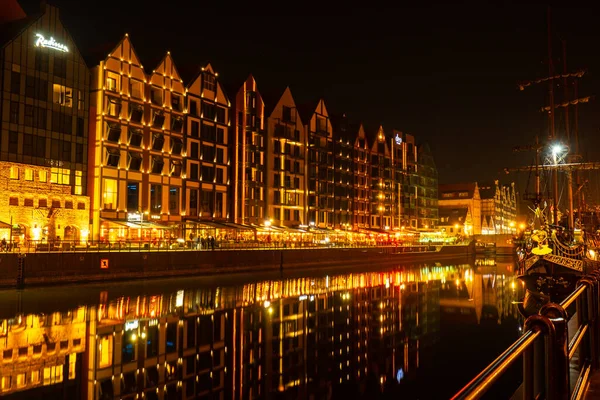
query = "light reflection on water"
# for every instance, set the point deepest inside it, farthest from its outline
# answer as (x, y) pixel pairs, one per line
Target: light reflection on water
(416, 331)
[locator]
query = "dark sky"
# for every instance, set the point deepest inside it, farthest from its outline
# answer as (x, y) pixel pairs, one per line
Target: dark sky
(445, 73)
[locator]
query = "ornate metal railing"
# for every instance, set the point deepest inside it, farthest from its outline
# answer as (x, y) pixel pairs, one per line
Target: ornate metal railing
(547, 352)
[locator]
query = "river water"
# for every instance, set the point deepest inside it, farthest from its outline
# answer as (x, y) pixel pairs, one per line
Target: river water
(412, 332)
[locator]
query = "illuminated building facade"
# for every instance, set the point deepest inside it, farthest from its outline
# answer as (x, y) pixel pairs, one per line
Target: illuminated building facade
(427, 188)
(361, 213)
(498, 208)
(138, 147)
(382, 186)
(343, 151)
(207, 180)
(461, 196)
(248, 155)
(43, 130)
(285, 166)
(320, 171)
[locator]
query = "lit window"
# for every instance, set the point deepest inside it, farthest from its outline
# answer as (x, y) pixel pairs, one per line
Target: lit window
(136, 89)
(110, 196)
(53, 375)
(35, 377)
(60, 176)
(105, 347)
(21, 380)
(43, 176)
(112, 157)
(113, 81)
(72, 365)
(80, 101)
(113, 106)
(62, 95)
(14, 172)
(28, 174)
(5, 383)
(78, 182)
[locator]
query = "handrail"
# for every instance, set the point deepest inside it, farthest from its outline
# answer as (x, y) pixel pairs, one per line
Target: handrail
(479, 385)
(548, 370)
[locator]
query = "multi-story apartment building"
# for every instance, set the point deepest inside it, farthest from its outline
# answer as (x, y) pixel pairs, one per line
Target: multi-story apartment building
(427, 187)
(461, 204)
(320, 176)
(207, 163)
(343, 150)
(362, 180)
(248, 155)
(382, 187)
(285, 165)
(43, 129)
(410, 194)
(138, 147)
(397, 151)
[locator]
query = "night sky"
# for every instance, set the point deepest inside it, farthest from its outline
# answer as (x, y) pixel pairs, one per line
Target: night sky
(447, 74)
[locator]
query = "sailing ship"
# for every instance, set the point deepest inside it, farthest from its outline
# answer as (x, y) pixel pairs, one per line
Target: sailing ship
(552, 258)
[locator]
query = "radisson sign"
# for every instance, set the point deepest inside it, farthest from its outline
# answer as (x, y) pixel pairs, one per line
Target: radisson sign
(41, 41)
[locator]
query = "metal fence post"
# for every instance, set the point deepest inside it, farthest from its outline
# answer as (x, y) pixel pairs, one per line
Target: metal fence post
(557, 366)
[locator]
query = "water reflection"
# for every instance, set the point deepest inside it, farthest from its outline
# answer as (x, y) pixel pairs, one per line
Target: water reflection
(310, 337)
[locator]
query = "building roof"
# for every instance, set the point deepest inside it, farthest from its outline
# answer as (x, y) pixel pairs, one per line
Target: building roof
(452, 190)
(455, 215)
(487, 190)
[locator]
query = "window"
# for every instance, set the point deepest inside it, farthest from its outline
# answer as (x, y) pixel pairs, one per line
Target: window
(112, 157)
(109, 195)
(157, 165)
(27, 145)
(60, 122)
(220, 135)
(208, 173)
(209, 82)
(80, 126)
(133, 196)
(60, 176)
(286, 114)
(137, 89)
(221, 115)
(175, 168)
(176, 124)
(62, 95)
(158, 119)
(176, 102)
(219, 175)
(79, 153)
(28, 174)
(220, 155)
(193, 171)
(156, 96)
(43, 176)
(78, 182)
(13, 142)
(5, 383)
(15, 82)
(13, 201)
(113, 132)
(136, 112)
(69, 206)
(105, 348)
(176, 146)
(135, 161)
(14, 112)
(193, 108)
(56, 203)
(194, 150)
(80, 101)
(14, 172)
(113, 82)
(36, 88)
(134, 136)
(208, 111)
(174, 200)
(66, 151)
(158, 141)
(80, 206)
(113, 106)
(43, 203)
(60, 66)
(194, 128)
(28, 115)
(155, 199)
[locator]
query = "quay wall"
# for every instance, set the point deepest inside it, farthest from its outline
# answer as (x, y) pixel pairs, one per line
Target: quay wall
(52, 268)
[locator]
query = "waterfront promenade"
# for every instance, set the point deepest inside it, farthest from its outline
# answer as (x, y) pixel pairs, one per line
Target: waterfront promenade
(88, 264)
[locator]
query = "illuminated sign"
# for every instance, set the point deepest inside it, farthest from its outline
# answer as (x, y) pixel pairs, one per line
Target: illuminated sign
(41, 41)
(129, 325)
(398, 139)
(134, 217)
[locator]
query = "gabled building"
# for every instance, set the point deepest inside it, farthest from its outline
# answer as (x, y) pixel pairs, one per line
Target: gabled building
(285, 164)
(361, 210)
(207, 180)
(498, 208)
(138, 147)
(247, 145)
(44, 103)
(461, 196)
(343, 149)
(456, 220)
(321, 187)
(382, 184)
